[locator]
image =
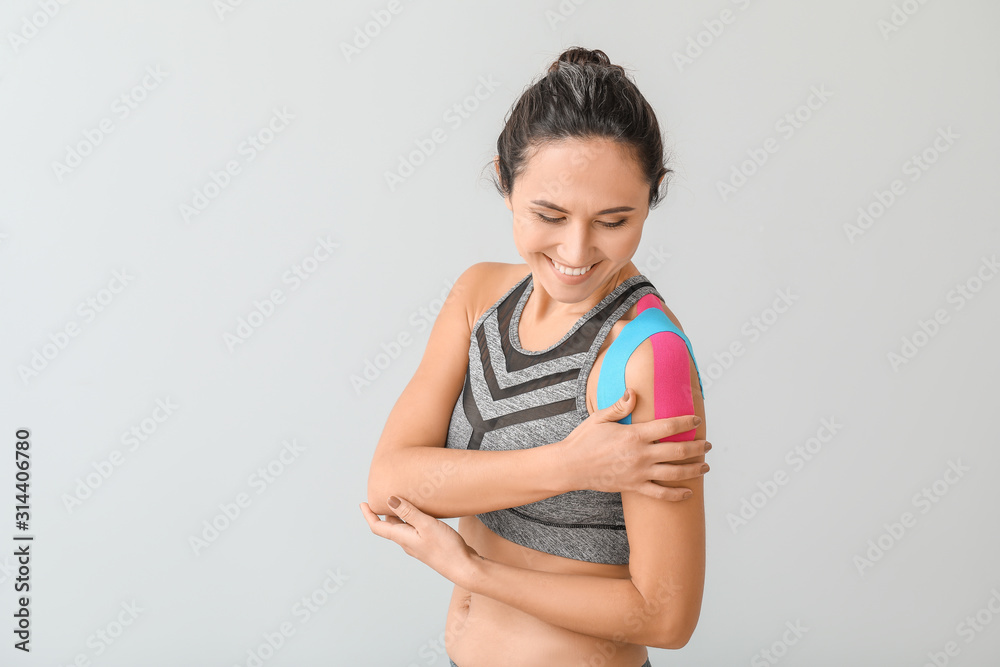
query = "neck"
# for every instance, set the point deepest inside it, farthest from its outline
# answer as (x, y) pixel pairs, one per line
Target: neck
(543, 304)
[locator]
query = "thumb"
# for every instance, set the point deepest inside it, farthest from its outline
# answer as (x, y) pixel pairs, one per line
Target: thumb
(620, 408)
(404, 509)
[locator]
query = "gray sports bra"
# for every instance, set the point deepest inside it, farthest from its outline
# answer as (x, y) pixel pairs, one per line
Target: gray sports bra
(516, 399)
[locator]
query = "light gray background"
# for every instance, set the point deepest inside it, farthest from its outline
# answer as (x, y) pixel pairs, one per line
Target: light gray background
(323, 176)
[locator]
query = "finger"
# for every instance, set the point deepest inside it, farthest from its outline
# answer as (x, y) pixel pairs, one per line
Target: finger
(675, 472)
(675, 452)
(670, 493)
(408, 512)
(388, 529)
(617, 410)
(370, 517)
(662, 428)
(658, 429)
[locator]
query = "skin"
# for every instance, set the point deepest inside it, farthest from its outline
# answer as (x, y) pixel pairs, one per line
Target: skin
(517, 606)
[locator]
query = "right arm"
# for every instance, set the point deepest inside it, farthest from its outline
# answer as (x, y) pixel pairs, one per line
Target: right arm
(410, 459)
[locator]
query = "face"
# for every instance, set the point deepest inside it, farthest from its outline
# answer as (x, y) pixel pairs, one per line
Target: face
(579, 205)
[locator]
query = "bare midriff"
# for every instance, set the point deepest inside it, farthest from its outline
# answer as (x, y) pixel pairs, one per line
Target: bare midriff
(483, 632)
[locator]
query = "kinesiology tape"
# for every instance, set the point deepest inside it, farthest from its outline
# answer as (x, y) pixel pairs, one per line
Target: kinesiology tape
(671, 370)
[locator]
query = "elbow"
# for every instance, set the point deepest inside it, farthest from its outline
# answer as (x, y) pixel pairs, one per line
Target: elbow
(377, 494)
(669, 640)
(672, 632)
(678, 641)
(389, 476)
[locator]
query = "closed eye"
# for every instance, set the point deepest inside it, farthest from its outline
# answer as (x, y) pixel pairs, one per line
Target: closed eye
(610, 225)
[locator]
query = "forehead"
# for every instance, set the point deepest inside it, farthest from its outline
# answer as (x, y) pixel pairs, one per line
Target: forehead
(573, 168)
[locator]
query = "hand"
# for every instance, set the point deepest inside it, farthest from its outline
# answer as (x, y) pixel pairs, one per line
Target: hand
(607, 456)
(426, 538)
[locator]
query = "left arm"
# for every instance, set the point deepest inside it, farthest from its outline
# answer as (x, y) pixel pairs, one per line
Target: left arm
(659, 604)
(667, 539)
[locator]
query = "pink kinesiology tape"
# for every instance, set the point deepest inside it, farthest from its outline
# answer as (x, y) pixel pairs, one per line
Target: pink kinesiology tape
(671, 374)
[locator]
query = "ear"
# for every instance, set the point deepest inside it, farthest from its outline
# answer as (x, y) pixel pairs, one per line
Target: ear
(496, 163)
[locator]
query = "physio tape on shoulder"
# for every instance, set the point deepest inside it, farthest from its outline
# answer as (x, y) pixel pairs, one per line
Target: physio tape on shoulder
(671, 379)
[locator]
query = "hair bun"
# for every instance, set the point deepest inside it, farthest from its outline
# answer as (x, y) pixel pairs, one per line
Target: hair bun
(580, 56)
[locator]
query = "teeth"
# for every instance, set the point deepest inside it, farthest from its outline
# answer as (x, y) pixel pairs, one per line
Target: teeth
(568, 271)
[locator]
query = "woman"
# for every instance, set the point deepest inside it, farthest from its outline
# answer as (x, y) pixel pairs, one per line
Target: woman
(581, 540)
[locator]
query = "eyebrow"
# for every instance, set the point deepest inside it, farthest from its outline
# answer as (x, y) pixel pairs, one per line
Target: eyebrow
(616, 209)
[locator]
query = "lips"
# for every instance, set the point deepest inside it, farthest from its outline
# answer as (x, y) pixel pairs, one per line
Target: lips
(559, 266)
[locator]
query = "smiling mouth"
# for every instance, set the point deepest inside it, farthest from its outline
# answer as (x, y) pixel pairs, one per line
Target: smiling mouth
(569, 271)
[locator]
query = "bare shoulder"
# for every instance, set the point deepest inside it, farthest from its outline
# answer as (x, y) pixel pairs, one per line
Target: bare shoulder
(631, 314)
(644, 352)
(663, 306)
(482, 284)
(679, 372)
(639, 369)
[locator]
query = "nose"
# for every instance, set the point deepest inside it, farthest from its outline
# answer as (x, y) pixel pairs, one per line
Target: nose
(575, 248)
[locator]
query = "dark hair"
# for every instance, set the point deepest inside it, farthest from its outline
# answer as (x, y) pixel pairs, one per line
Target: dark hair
(582, 95)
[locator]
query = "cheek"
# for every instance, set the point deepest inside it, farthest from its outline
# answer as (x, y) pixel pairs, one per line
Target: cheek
(529, 236)
(622, 247)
